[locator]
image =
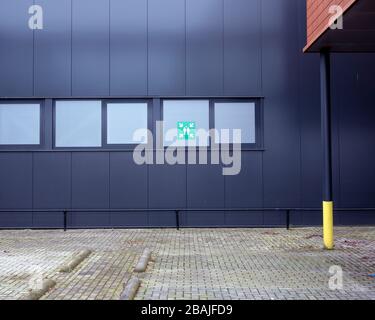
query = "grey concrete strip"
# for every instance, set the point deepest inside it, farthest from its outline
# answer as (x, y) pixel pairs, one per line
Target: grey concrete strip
(131, 289)
(35, 294)
(143, 261)
(75, 261)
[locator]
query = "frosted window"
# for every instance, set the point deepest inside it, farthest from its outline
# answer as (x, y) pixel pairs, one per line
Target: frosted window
(235, 115)
(123, 120)
(19, 124)
(78, 124)
(187, 111)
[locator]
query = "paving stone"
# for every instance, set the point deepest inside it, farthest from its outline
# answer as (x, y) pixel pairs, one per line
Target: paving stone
(192, 263)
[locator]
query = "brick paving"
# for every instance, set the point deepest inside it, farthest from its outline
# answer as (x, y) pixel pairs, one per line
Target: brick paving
(191, 263)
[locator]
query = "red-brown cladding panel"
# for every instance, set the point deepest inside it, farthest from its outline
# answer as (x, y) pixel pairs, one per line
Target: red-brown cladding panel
(318, 16)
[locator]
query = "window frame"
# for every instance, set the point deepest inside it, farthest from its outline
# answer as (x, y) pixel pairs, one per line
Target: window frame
(259, 121)
(103, 114)
(54, 126)
(28, 147)
(185, 99)
(122, 146)
(258, 103)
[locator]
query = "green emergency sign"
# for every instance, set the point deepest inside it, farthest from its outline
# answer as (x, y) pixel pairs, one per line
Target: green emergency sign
(185, 130)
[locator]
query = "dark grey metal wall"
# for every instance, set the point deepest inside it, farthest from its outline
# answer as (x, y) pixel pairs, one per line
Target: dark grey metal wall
(162, 48)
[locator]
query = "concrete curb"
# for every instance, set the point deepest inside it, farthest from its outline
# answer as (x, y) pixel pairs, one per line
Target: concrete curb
(36, 294)
(143, 261)
(75, 261)
(131, 289)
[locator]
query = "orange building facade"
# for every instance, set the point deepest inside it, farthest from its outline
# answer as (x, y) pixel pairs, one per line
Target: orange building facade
(319, 15)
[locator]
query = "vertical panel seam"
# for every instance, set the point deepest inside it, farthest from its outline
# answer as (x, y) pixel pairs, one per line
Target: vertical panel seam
(186, 184)
(71, 180)
(262, 92)
(186, 92)
(223, 49)
(153, 107)
(148, 184)
(109, 47)
(109, 187)
(225, 202)
(185, 35)
(147, 50)
(261, 44)
(261, 88)
(71, 47)
(32, 188)
(148, 193)
(338, 139)
(32, 154)
(299, 78)
(33, 72)
(109, 179)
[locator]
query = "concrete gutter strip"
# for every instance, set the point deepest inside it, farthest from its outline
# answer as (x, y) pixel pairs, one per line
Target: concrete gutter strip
(143, 261)
(36, 294)
(131, 289)
(75, 261)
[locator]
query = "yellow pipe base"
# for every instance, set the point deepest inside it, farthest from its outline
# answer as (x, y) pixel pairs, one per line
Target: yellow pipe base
(328, 225)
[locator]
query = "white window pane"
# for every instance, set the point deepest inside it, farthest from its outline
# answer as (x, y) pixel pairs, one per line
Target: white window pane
(123, 119)
(194, 112)
(78, 124)
(235, 115)
(19, 124)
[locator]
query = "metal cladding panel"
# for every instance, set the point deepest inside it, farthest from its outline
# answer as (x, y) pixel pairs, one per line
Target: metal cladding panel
(274, 219)
(47, 220)
(204, 219)
(90, 180)
(351, 218)
(162, 219)
(167, 186)
(336, 86)
(16, 180)
(309, 105)
(128, 219)
(280, 55)
(10, 220)
(356, 116)
(89, 220)
(128, 47)
(128, 182)
(90, 47)
(52, 180)
(244, 219)
(246, 189)
(242, 47)
(166, 47)
(311, 154)
(204, 47)
(205, 186)
(16, 49)
(52, 71)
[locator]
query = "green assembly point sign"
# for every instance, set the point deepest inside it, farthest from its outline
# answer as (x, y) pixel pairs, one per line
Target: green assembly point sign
(185, 130)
